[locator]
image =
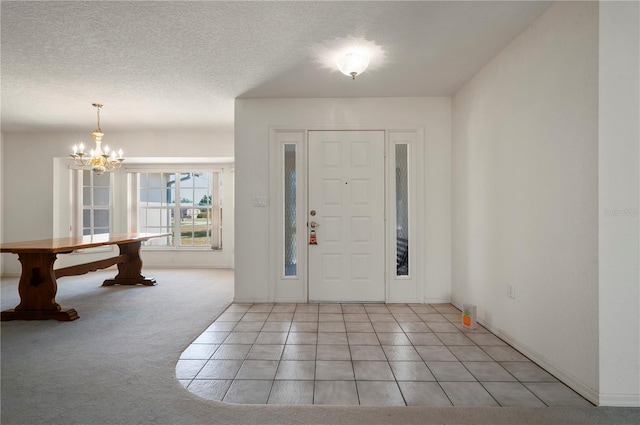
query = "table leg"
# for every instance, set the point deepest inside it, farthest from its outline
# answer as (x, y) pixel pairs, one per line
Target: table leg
(37, 289)
(130, 272)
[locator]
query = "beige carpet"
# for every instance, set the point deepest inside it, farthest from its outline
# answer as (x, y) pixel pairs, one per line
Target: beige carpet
(116, 364)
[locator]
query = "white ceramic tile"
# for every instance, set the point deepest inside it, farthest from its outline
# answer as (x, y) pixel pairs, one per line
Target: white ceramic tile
(265, 352)
(302, 338)
(367, 352)
(528, 372)
(377, 393)
(271, 338)
(257, 369)
(424, 394)
(468, 394)
(299, 352)
(362, 338)
(372, 371)
(556, 394)
(211, 337)
(411, 371)
(232, 352)
(220, 369)
(333, 352)
(188, 369)
(401, 352)
(291, 392)
(512, 394)
(211, 389)
(341, 370)
(435, 353)
(393, 338)
(449, 371)
(332, 338)
(336, 393)
(241, 338)
(248, 392)
(199, 352)
(488, 371)
(296, 370)
(469, 353)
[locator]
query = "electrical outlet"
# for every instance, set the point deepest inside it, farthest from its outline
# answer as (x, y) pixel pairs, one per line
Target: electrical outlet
(511, 291)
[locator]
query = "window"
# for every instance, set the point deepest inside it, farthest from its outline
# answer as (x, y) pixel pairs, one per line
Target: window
(402, 209)
(93, 209)
(290, 237)
(185, 204)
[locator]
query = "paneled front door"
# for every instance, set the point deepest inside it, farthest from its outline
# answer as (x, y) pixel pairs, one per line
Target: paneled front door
(346, 212)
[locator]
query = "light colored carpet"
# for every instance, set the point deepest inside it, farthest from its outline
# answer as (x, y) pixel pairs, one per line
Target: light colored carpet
(116, 364)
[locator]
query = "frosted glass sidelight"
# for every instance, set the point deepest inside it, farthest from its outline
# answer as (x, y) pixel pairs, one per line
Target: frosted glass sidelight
(290, 245)
(402, 210)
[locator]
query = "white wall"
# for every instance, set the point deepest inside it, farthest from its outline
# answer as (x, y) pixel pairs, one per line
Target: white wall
(29, 211)
(525, 193)
(253, 120)
(619, 208)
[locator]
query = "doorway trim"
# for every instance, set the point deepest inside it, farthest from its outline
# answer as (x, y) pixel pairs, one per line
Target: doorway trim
(294, 288)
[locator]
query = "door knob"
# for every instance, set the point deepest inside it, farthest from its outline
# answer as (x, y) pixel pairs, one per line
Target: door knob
(313, 224)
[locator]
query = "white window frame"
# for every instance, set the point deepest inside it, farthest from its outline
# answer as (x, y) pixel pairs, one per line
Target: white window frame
(406, 288)
(288, 288)
(76, 228)
(216, 220)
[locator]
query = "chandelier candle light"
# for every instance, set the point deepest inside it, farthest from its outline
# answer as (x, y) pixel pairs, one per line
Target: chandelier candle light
(99, 160)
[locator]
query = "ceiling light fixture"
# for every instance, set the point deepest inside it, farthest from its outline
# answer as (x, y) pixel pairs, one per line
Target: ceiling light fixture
(98, 160)
(353, 63)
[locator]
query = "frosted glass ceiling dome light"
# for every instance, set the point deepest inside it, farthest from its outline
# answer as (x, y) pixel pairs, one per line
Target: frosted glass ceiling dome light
(353, 63)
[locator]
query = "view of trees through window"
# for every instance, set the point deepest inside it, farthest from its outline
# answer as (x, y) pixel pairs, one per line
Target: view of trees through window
(185, 204)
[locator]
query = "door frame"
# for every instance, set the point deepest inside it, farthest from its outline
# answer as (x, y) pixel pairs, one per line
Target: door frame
(398, 289)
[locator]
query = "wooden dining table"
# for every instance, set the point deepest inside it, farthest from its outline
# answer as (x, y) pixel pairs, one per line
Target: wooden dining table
(38, 280)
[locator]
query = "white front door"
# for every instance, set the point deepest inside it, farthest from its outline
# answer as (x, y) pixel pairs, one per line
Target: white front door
(346, 203)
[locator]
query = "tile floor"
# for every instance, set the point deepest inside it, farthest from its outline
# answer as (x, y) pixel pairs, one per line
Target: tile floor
(361, 354)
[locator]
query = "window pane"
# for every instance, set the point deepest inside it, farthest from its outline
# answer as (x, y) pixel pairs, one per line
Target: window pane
(100, 231)
(101, 196)
(86, 218)
(155, 180)
(186, 236)
(86, 196)
(154, 217)
(170, 193)
(290, 245)
(102, 181)
(154, 197)
(101, 219)
(402, 211)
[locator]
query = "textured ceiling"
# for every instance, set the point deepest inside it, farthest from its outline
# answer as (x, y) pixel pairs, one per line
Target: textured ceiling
(182, 64)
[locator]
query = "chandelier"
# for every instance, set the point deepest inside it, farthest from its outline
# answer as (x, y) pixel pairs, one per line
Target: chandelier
(99, 160)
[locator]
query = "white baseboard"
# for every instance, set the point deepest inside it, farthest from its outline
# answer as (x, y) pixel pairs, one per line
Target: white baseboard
(290, 300)
(571, 381)
(438, 301)
(620, 400)
(402, 301)
(250, 300)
